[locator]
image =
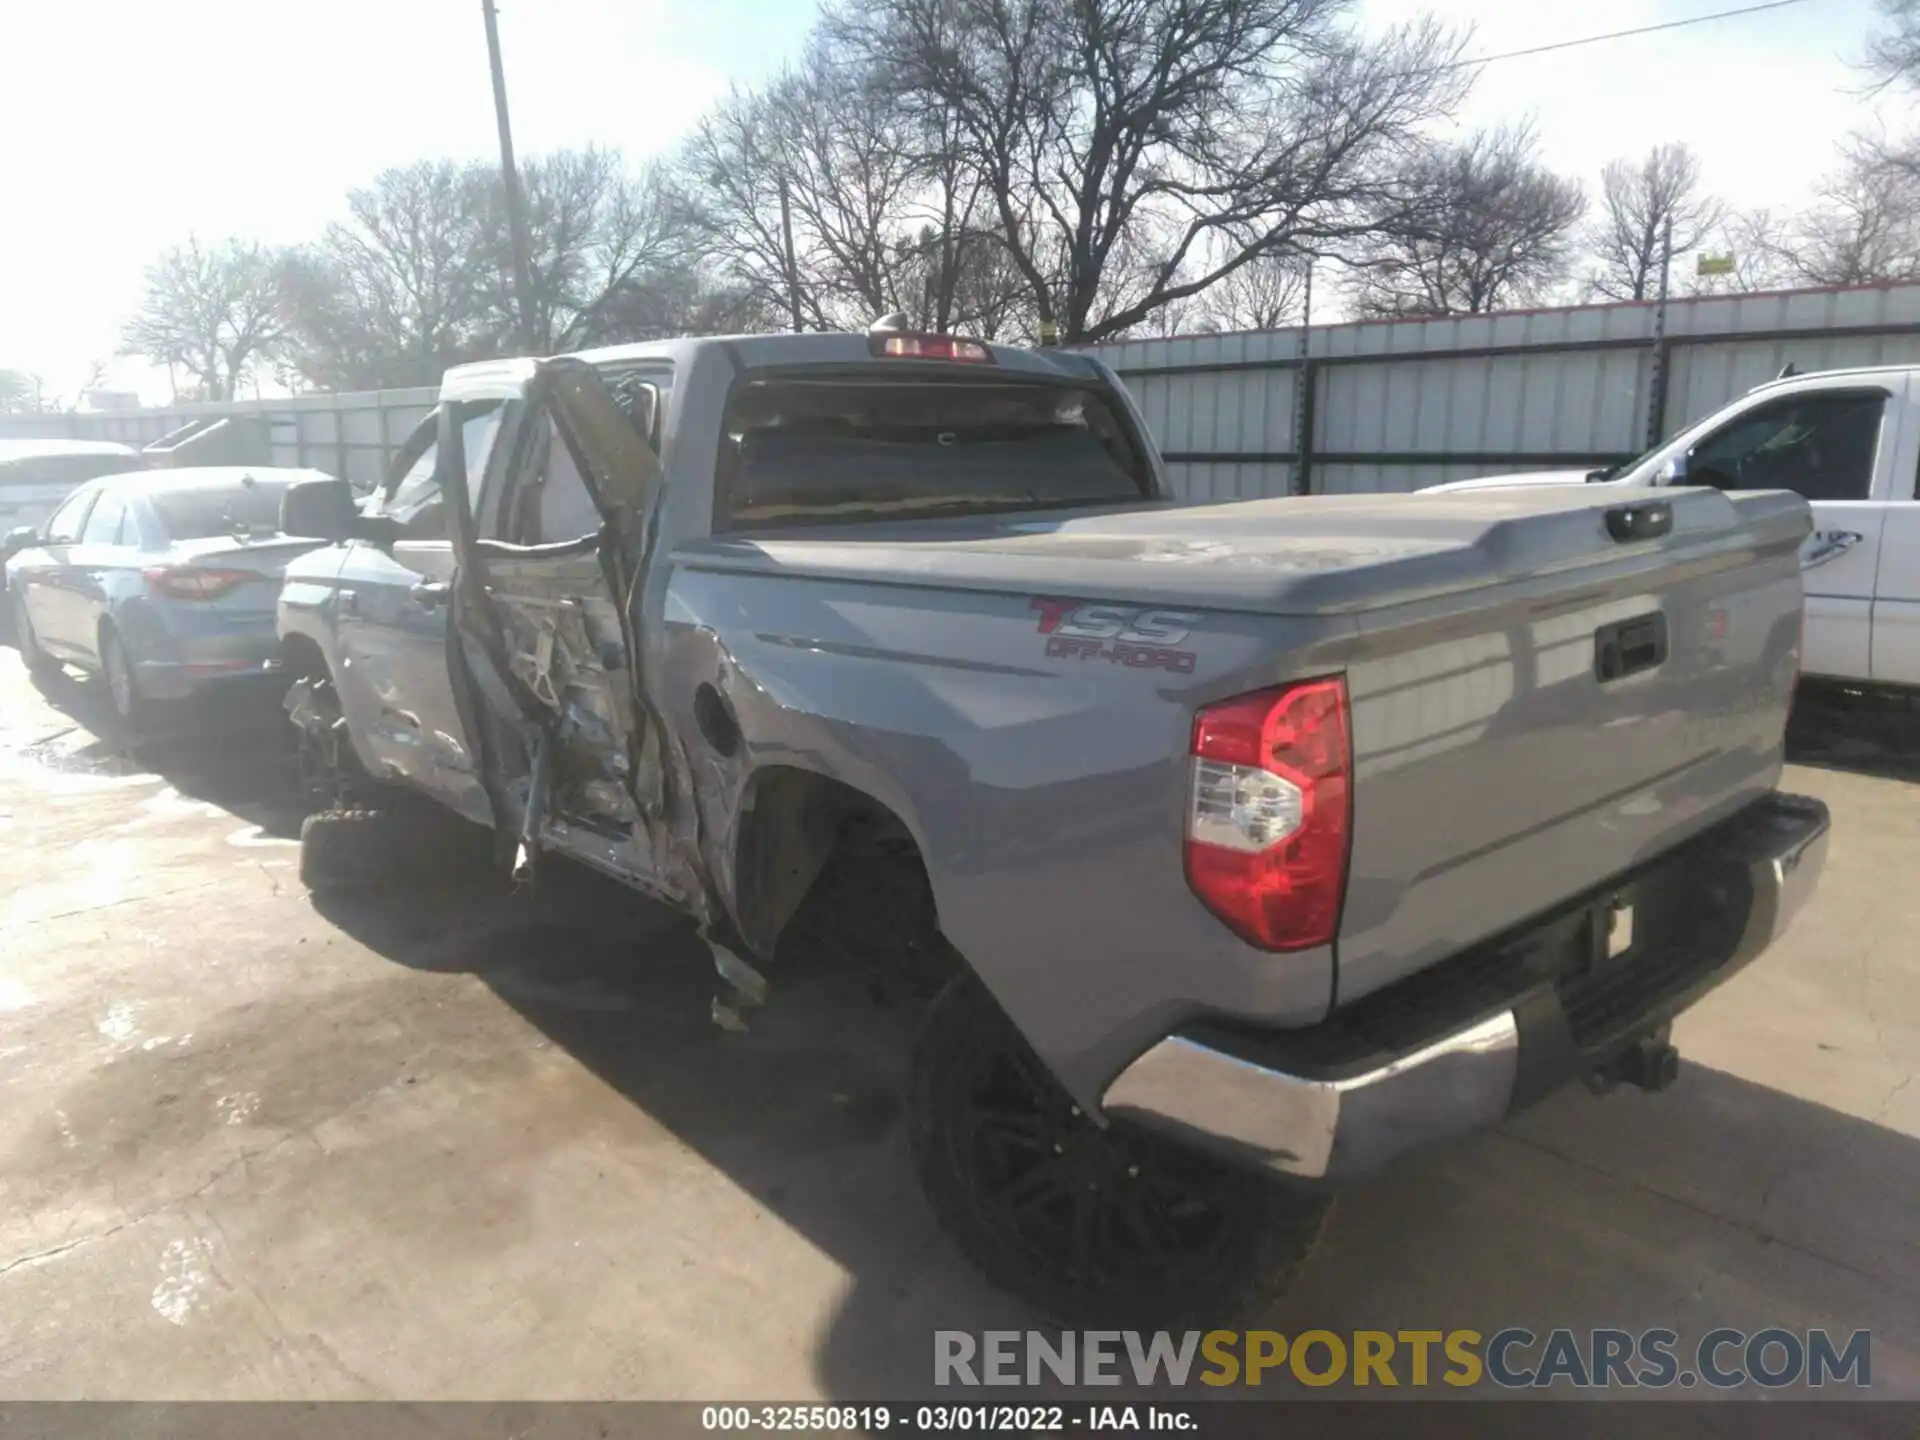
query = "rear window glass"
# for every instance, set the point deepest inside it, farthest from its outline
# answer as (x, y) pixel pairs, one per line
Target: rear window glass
(203, 513)
(800, 451)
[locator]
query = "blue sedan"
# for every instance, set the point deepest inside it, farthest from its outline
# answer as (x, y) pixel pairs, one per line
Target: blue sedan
(163, 582)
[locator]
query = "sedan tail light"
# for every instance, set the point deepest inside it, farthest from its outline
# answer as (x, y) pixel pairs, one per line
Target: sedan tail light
(1270, 818)
(190, 582)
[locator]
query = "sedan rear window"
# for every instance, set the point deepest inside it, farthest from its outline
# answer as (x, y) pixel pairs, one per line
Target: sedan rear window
(204, 513)
(799, 451)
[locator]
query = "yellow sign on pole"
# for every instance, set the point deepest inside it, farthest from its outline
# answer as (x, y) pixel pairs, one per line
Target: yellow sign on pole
(1713, 265)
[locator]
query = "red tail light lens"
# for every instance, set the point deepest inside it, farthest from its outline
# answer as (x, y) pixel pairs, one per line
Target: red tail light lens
(188, 582)
(1271, 813)
(931, 347)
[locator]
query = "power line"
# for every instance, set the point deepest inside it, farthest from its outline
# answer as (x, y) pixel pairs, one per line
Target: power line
(1614, 35)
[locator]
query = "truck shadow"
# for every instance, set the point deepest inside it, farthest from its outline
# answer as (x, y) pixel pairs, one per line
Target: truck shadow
(1720, 1202)
(1869, 734)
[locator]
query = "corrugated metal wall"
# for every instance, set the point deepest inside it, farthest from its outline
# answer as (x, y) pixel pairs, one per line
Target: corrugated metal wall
(1394, 404)
(1400, 404)
(352, 435)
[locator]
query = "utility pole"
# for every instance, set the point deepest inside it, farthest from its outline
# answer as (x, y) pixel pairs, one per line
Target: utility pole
(787, 257)
(510, 182)
(1657, 388)
(1303, 383)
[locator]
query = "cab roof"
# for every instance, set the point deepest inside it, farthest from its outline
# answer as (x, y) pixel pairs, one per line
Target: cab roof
(1861, 370)
(504, 379)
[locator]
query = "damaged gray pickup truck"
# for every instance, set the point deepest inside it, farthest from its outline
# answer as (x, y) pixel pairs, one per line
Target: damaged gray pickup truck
(1241, 847)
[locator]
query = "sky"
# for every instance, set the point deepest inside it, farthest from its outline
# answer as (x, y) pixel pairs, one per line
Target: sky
(130, 124)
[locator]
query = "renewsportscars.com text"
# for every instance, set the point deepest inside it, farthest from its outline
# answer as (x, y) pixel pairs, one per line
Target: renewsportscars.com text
(1512, 1358)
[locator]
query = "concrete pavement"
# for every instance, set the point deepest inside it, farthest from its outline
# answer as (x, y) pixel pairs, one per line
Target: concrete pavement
(475, 1146)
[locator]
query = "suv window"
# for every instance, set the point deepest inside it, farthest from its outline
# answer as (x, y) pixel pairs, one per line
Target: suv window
(64, 527)
(64, 469)
(105, 524)
(800, 451)
(415, 499)
(1822, 446)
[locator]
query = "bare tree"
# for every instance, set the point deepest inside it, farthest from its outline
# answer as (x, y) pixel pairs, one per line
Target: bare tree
(22, 393)
(1266, 294)
(684, 301)
(398, 290)
(1136, 152)
(1893, 56)
(417, 277)
(821, 196)
(1638, 200)
(739, 172)
(1862, 229)
(1752, 243)
(1479, 225)
(210, 310)
(595, 227)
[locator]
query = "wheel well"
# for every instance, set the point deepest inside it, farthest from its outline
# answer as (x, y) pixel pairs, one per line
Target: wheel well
(302, 658)
(819, 863)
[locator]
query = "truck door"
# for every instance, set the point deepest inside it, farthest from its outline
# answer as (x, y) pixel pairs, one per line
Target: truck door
(391, 620)
(1896, 599)
(1834, 443)
(545, 596)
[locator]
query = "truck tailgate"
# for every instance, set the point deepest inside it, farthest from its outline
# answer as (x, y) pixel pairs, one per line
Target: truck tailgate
(1522, 741)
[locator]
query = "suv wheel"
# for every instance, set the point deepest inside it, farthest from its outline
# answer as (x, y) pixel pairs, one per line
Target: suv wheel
(1092, 1225)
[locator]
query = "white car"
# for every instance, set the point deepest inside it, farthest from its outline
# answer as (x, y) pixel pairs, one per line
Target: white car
(1847, 440)
(36, 475)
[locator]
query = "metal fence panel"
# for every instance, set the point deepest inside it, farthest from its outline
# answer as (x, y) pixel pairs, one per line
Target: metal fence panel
(353, 434)
(1405, 403)
(1397, 404)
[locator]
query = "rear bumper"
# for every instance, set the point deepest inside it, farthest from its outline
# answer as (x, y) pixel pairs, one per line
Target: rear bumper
(180, 679)
(1464, 1045)
(176, 658)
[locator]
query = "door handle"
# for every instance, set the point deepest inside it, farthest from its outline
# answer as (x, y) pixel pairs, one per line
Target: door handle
(1829, 545)
(429, 593)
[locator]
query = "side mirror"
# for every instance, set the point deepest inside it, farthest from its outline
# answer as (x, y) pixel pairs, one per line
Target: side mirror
(23, 537)
(1674, 472)
(319, 510)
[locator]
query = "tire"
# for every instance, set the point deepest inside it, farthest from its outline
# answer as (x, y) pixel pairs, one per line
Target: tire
(1091, 1226)
(132, 709)
(38, 661)
(370, 850)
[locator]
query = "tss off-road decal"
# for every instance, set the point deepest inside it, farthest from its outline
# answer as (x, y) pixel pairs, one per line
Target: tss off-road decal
(1141, 639)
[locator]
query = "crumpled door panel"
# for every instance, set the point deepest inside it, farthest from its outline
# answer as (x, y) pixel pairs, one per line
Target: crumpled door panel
(563, 641)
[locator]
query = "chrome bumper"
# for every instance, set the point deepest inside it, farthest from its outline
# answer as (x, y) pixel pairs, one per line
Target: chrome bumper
(1344, 1126)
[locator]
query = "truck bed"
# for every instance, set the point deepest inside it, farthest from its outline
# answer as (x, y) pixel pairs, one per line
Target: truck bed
(1496, 772)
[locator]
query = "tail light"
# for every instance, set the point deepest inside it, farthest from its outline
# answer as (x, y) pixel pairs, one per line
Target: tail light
(1271, 813)
(929, 347)
(188, 582)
